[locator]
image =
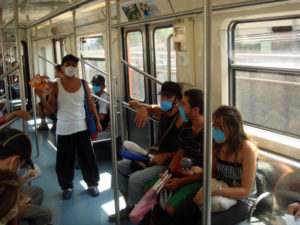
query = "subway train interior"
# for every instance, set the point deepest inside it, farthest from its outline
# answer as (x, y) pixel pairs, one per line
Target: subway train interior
(243, 53)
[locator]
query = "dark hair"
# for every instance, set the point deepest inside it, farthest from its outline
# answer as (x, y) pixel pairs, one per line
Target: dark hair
(232, 119)
(15, 142)
(195, 98)
(9, 191)
(69, 57)
(58, 68)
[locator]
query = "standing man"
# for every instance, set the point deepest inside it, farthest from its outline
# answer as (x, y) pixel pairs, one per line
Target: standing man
(72, 133)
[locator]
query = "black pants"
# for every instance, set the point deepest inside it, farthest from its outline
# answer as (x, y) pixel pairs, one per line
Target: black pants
(67, 145)
(189, 213)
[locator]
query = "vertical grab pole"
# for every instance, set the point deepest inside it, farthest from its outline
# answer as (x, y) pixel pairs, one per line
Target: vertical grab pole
(4, 66)
(206, 218)
(29, 41)
(121, 75)
(169, 56)
(19, 57)
(112, 108)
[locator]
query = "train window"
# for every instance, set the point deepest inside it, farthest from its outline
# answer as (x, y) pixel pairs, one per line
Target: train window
(265, 76)
(135, 57)
(161, 36)
(92, 51)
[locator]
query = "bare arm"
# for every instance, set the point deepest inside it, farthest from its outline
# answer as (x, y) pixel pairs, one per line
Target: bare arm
(22, 114)
(92, 107)
(249, 159)
(143, 111)
(175, 159)
(50, 105)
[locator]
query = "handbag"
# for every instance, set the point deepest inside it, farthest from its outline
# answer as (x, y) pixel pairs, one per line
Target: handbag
(154, 150)
(90, 118)
(220, 203)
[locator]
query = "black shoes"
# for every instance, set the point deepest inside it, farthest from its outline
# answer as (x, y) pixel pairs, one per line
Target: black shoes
(93, 191)
(124, 214)
(67, 194)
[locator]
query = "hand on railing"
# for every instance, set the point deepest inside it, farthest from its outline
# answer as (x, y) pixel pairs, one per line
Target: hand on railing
(141, 117)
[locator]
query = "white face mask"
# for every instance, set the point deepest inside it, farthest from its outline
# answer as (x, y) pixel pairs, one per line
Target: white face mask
(70, 71)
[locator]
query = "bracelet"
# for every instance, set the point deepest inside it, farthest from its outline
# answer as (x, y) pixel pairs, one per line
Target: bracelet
(219, 190)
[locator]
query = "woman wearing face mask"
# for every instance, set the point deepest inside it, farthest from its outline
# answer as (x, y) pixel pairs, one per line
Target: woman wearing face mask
(9, 198)
(71, 129)
(234, 161)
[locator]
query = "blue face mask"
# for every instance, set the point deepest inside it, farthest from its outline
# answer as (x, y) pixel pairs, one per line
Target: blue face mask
(182, 114)
(218, 135)
(166, 106)
(96, 89)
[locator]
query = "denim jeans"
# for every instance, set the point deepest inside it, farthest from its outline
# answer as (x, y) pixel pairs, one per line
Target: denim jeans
(134, 183)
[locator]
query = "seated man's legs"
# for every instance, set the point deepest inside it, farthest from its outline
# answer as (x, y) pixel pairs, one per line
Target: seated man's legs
(138, 181)
(124, 172)
(182, 194)
(37, 214)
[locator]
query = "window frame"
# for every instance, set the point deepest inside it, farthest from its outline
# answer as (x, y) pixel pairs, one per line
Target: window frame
(233, 68)
(142, 32)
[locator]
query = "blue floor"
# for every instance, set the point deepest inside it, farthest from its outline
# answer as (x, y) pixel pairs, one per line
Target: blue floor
(81, 209)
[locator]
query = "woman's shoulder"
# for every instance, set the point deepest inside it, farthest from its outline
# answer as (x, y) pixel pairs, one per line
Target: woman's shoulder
(249, 148)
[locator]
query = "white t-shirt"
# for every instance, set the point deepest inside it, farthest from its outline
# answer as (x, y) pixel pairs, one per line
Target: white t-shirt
(103, 106)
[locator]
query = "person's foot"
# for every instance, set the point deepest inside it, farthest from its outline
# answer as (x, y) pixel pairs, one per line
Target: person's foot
(53, 128)
(43, 126)
(67, 194)
(124, 214)
(93, 191)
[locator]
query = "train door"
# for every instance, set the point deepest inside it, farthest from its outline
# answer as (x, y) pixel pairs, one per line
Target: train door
(150, 49)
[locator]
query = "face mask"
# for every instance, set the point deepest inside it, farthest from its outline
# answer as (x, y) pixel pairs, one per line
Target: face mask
(218, 135)
(70, 71)
(96, 89)
(13, 215)
(182, 114)
(166, 106)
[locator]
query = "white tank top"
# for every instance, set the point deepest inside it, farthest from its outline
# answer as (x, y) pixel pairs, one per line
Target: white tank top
(70, 111)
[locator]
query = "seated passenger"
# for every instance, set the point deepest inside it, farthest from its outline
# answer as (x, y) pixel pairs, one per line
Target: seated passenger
(15, 152)
(190, 144)
(42, 112)
(17, 113)
(234, 161)
(131, 183)
(102, 107)
(10, 208)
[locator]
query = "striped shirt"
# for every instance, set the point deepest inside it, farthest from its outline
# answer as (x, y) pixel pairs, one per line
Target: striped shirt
(192, 146)
(232, 176)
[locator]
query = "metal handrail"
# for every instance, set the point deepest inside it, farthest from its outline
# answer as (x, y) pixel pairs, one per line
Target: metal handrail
(126, 105)
(48, 61)
(3, 75)
(141, 72)
(99, 98)
(94, 67)
(8, 123)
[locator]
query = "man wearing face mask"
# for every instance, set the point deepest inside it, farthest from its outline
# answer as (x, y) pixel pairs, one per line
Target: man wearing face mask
(190, 144)
(15, 152)
(72, 133)
(102, 107)
(131, 183)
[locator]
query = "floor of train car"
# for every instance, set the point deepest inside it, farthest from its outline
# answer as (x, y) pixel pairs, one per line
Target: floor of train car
(81, 209)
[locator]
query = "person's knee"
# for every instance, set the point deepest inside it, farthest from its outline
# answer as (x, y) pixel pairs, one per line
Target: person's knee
(170, 210)
(38, 194)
